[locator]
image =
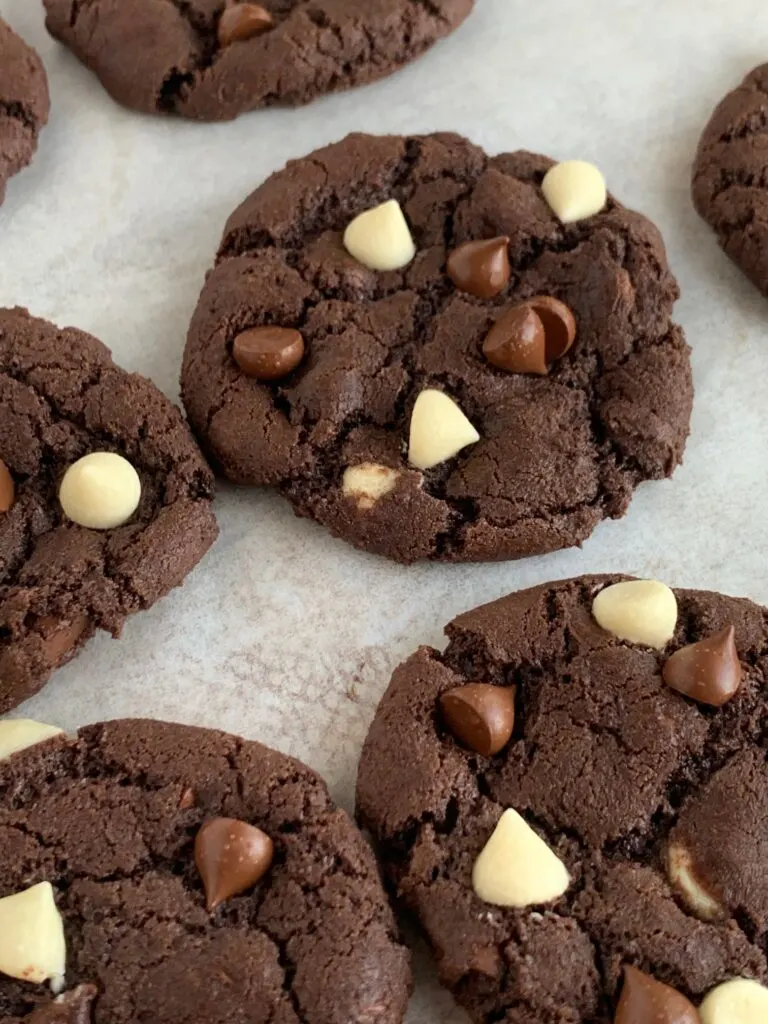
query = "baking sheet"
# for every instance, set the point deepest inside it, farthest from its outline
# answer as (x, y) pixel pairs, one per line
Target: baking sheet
(284, 634)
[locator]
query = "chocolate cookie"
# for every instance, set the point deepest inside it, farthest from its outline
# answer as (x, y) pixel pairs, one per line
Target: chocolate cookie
(215, 59)
(730, 183)
(105, 500)
(183, 875)
(24, 103)
(497, 386)
(576, 790)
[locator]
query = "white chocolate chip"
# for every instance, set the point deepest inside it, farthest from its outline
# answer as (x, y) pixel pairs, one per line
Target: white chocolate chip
(367, 483)
(439, 430)
(640, 611)
(681, 875)
(575, 190)
(380, 238)
(740, 1001)
(101, 491)
(32, 945)
(516, 867)
(19, 733)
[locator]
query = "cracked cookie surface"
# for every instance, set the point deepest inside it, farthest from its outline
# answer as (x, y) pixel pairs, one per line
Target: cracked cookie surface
(557, 454)
(611, 768)
(164, 56)
(61, 396)
(730, 182)
(106, 819)
(24, 103)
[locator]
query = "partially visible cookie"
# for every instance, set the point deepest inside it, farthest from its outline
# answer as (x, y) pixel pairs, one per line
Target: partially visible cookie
(730, 176)
(181, 875)
(215, 59)
(24, 103)
(440, 354)
(573, 798)
(85, 542)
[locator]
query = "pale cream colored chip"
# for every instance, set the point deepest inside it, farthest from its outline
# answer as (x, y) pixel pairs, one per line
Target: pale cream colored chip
(575, 190)
(367, 483)
(19, 733)
(380, 238)
(101, 491)
(640, 611)
(740, 1001)
(32, 945)
(439, 430)
(682, 876)
(516, 867)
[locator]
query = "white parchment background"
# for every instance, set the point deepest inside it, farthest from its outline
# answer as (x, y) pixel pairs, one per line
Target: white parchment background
(284, 634)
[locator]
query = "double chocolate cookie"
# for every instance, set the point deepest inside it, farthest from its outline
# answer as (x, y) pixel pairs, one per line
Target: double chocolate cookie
(156, 872)
(24, 103)
(573, 798)
(439, 354)
(105, 499)
(215, 59)
(730, 180)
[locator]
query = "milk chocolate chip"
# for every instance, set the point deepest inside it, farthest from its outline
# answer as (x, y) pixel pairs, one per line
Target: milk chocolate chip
(231, 856)
(531, 335)
(243, 21)
(647, 1001)
(517, 343)
(7, 488)
(481, 268)
(268, 353)
(709, 671)
(480, 716)
(59, 638)
(559, 325)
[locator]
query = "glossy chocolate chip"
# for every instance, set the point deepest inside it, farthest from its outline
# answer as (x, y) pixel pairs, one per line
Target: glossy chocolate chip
(480, 716)
(481, 268)
(647, 1001)
(708, 671)
(7, 488)
(60, 637)
(268, 353)
(559, 325)
(516, 342)
(243, 21)
(231, 856)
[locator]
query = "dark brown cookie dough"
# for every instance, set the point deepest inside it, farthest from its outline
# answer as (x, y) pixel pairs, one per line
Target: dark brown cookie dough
(557, 453)
(165, 56)
(61, 397)
(110, 821)
(24, 103)
(730, 176)
(614, 770)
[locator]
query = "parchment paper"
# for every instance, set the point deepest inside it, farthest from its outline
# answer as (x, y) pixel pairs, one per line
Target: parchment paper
(284, 634)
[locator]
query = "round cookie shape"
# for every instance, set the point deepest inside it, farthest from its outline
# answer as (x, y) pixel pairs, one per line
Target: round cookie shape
(62, 398)
(730, 187)
(558, 450)
(109, 820)
(24, 103)
(214, 59)
(618, 776)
